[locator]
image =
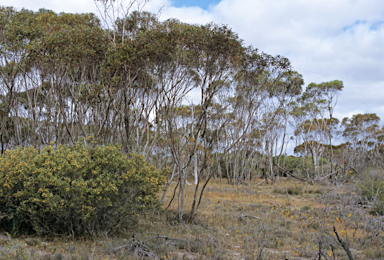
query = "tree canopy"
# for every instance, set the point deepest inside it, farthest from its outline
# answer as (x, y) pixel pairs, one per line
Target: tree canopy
(65, 78)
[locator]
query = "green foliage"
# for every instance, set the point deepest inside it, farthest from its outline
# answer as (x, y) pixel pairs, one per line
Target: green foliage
(296, 190)
(292, 190)
(305, 208)
(74, 190)
(295, 164)
(371, 188)
(300, 165)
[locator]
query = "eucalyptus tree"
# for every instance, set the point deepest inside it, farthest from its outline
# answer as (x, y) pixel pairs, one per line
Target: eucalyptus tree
(127, 88)
(111, 11)
(329, 91)
(283, 89)
(65, 65)
(151, 73)
(56, 90)
(360, 132)
(378, 151)
(208, 56)
(191, 57)
(17, 30)
(264, 85)
(256, 74)
(315, 134)
(314, 121)
(277, 86)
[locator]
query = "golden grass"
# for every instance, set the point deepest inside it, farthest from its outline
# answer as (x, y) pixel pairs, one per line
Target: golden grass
(285, 220)
(293, 224)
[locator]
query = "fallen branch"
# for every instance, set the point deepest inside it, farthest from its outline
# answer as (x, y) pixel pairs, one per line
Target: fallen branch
(260, 182)
(139, 244)
(343, 244)
(290, 174)
(246, 216)
(329, 175)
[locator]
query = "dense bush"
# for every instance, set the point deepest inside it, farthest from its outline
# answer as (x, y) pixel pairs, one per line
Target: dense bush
(300, 165)
(74, 190)
(371, 188)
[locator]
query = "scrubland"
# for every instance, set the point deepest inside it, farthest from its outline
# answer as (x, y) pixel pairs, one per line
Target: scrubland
(87, 113)
(287, 220)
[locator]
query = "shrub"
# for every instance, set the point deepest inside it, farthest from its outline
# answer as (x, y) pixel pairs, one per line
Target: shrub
(371, 188)
(305, 208)
(295, 190)
(300, 165)
(74, 190)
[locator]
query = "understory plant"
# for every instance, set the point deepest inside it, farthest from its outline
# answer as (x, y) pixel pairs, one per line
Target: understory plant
(74, 190)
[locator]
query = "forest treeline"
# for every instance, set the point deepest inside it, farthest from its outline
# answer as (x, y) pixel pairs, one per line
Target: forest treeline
(65, 78)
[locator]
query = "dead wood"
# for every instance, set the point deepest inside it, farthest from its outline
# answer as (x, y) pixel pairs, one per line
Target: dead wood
(141, 248)
(290, 174)
(247, 216)
(343, 244)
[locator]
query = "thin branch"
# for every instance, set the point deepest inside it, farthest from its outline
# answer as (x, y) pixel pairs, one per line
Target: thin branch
(174, 192)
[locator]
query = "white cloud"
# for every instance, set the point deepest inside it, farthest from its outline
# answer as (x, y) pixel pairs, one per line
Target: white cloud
(193, 15)
(79, 6)
(324, 39)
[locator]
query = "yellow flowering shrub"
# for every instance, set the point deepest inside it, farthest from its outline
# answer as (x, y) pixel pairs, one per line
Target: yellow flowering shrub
(74, 190)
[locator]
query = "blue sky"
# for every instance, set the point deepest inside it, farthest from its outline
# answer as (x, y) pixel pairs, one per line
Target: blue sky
(204, 4)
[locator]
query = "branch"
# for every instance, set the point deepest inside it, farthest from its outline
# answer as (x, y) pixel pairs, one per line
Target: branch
(343, 244)
(139, 243)
(287, 172)
(354, 170)
(260, 182)
(174, 192)
(329, 175)
(246, 216)
(321, 254)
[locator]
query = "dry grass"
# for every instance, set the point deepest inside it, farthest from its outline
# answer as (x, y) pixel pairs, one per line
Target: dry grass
(286, 220)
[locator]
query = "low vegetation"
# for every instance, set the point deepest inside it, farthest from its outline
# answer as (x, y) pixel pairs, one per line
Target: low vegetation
(287, 220)
(75, 191)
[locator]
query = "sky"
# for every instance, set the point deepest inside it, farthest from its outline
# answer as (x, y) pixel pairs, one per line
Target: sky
(204, 4)
(324, 39)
